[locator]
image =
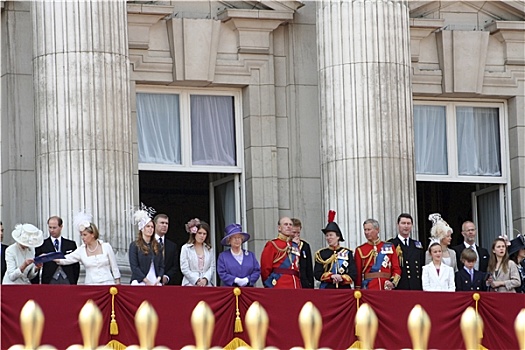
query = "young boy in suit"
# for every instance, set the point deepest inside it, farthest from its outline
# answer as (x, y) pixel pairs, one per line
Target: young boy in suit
(468, 278)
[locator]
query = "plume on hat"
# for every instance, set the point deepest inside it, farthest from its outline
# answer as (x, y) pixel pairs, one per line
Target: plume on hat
(331, 215)
(82, 220)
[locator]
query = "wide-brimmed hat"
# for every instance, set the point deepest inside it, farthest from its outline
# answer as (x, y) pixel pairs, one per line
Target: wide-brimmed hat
(517, 244)
(333, 227)
(233, 229)
(29, 235)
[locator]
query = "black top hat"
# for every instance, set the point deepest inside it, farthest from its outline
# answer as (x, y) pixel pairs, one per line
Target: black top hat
(333, 227)
(516, 244)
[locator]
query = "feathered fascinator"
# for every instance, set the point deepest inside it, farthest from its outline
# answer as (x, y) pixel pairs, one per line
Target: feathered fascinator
(82, 220)
(439, 227)
(142, 216)
(191, 226)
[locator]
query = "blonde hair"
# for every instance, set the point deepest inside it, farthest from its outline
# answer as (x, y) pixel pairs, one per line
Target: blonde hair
(439, 230)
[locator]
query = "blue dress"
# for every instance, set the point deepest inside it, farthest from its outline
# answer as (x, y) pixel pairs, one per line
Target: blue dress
(229, 268)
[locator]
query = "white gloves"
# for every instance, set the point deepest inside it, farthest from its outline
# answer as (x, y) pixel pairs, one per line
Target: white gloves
(241, 282)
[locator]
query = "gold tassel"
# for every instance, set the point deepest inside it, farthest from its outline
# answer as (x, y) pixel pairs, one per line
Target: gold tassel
(476, 297)
(113, 326)
(357, 296)
(238, 323)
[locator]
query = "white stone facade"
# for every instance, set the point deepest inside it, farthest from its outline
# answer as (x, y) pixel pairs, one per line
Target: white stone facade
(322, 127)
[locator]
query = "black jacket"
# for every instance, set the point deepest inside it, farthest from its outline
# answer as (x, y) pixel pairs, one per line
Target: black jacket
(140, 263)
(411, 261)
(483, 255)
(464, 283)
(306, 265)
(4, 266)
(48, 270)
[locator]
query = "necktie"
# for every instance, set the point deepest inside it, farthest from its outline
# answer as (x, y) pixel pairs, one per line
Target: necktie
(162, 247)
(471, 275)
(56, 245)
(406, 242)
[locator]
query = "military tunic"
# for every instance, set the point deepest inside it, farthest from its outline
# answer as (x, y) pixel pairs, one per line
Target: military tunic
(280, 263)
(376, 263)
(411, 260)
(330, 261)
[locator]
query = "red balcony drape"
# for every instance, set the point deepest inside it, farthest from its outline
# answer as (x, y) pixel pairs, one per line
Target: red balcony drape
(174, 305)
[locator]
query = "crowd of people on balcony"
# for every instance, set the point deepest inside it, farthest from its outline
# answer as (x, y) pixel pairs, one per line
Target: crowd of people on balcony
(286, 261)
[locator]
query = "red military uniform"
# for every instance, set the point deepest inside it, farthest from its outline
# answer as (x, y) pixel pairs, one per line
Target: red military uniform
(280, 264)
(376, 263)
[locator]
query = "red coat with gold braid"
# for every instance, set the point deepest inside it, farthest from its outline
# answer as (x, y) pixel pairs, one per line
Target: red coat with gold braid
(376, 263)
(280, 263)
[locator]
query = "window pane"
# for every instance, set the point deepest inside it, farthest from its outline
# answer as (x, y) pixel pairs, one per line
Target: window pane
(430, 140)
(478, 141)
(158, 128)
(212, 130)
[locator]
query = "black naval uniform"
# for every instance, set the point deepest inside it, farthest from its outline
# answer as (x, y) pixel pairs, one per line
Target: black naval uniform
(411, 259)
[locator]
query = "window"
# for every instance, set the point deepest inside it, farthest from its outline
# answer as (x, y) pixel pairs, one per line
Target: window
(459, 142)
(188, 130)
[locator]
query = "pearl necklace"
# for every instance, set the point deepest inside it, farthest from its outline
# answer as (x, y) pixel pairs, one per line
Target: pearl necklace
(239, 253)
(92, 251)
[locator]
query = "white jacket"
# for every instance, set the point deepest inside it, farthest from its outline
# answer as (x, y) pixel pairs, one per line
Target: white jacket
(443, 282)
(189, 265)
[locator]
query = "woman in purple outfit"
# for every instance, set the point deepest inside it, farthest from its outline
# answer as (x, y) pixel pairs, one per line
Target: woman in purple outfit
(237, 267)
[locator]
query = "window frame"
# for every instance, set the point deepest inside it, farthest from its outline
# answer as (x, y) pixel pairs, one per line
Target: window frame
(185, 129)
(452, 147)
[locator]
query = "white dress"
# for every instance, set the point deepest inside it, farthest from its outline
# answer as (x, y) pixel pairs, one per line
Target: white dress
(189, 265)
(100, 268)
(443, 282)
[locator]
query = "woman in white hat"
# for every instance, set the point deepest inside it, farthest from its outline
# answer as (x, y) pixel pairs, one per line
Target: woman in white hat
(19, 256)
(441, 232)
(97, 257)
(145, 253)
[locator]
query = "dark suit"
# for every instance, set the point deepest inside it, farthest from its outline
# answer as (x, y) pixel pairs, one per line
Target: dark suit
(140, 263)
(464, 283)
(4, 266)
(483, 255)
(306, 269)
(48, 270)
(172, 263)
(411, 260)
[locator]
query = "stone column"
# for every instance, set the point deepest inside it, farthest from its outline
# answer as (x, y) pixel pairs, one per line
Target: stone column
(82, 116)
(367, 147)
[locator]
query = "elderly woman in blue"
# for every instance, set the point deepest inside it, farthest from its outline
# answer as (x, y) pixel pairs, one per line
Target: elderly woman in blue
(236, 266)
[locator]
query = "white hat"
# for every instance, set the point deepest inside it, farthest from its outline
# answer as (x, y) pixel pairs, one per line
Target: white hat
(29, 235)
(141, 218)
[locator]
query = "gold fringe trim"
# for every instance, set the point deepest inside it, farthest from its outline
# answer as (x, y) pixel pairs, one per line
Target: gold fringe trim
(355, 345)
(236, 343)
(116, 345)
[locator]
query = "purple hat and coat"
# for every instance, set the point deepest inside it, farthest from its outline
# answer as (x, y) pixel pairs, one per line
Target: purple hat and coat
(233, 229)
